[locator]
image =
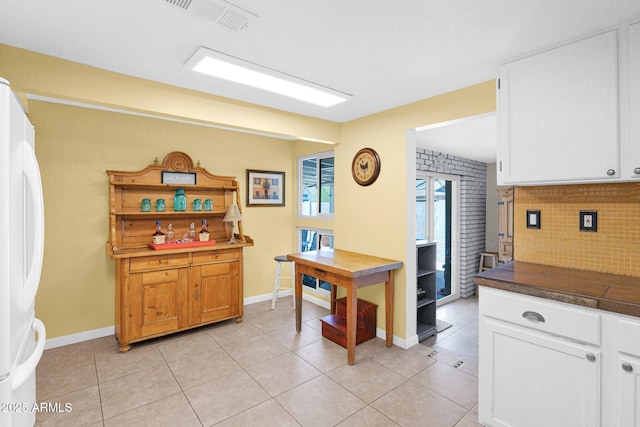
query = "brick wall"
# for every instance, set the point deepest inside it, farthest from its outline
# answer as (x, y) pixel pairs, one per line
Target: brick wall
(473, 189)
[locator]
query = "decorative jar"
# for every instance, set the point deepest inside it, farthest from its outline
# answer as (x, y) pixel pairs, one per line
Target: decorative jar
(160, 206)
(146, 205)
(180, 201)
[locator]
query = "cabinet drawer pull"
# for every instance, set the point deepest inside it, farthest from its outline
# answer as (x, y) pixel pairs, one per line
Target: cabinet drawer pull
(320, 273)
(627, 367)
(636, 171)
(611, 172)
(532, 316)
(591, 357)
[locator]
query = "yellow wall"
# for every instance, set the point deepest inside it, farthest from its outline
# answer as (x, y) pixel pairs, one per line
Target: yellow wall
(612, 249)
(372, 219)
(76, 145)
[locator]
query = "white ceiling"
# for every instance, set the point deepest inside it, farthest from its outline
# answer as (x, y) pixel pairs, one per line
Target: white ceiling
(385, 53)
(471, 137)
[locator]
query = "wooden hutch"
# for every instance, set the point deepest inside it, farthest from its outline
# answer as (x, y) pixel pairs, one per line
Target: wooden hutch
(174, 287)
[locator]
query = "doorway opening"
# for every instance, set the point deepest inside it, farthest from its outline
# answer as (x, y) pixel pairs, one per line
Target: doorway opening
(437, 219)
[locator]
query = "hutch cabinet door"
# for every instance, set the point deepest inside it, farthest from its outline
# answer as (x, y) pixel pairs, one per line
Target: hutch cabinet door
(215, 292)
(158, 302)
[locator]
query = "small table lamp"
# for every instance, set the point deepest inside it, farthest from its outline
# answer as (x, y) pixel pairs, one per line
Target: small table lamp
(233, 214)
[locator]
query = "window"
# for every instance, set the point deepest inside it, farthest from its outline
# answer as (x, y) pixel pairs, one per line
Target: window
(315, 185)
(311, 239)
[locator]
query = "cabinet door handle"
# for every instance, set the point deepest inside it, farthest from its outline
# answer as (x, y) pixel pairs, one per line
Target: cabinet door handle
(627, 367)
(636, 171)
(591, 357)
(611, 172)
(195, 295)
(532, 316)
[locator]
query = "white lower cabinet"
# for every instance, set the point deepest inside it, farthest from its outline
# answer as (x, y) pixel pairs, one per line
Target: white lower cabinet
(539, 380)
(546, 363)
(530, 377)
(623, 333)
(628, 374)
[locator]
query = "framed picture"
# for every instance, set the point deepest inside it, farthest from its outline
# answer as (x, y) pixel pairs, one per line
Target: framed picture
(265, 188)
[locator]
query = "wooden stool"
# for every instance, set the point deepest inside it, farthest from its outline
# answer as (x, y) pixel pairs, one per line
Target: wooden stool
(488, 260)
(276, 286)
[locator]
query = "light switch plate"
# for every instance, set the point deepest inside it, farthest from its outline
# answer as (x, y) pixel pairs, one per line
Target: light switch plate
(533, 219)
(588, 221)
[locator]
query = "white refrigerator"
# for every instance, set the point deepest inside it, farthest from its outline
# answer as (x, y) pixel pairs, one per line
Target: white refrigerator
(22, 336)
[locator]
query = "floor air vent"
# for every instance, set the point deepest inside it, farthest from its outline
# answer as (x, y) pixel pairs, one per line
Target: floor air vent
(223, 13)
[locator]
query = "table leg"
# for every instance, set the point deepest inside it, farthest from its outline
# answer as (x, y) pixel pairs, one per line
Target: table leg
(352, 319)
(298, 297)
(334, 291)
(388, 302)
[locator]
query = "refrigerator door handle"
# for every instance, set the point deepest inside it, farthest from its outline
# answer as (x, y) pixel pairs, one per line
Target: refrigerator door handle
(26, 368)
(34, 184)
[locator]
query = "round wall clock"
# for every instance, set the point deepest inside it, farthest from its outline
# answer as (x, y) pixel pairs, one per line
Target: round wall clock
(365, 167)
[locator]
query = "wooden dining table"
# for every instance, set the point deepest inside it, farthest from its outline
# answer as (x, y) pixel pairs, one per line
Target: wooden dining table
(350, 270)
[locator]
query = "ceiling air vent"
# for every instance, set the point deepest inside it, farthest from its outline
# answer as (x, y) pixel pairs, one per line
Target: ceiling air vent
(223, 13)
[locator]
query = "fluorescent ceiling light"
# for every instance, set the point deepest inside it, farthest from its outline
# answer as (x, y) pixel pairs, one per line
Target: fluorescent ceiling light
(226, 67)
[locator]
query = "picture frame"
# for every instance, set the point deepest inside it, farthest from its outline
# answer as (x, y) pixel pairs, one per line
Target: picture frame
(265, 188)
(533, 219)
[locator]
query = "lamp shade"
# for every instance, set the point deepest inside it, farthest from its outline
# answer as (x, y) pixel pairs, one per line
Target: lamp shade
(233, 214)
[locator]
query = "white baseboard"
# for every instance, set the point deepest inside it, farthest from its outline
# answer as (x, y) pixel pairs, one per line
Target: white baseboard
(267, 297)
(110, 330)
(79, 337)
(382, 334)
(409, 342)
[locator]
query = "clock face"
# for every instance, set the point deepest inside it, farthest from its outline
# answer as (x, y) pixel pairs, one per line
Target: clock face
(365, 167)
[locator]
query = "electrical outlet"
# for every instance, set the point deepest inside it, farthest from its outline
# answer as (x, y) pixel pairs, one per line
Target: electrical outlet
(588, 221)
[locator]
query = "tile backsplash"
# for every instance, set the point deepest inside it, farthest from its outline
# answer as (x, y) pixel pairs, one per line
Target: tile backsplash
(614, 248)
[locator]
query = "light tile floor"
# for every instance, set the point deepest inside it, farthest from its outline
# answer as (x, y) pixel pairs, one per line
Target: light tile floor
(261, 373)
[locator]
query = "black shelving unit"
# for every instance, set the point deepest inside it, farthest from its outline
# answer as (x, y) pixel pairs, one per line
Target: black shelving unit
(426, 289)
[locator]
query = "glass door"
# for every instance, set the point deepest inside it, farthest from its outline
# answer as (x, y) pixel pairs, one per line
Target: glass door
(437, 219)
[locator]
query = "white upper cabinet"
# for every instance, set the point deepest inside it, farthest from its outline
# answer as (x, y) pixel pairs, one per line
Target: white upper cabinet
(558, 114)
(631, 156)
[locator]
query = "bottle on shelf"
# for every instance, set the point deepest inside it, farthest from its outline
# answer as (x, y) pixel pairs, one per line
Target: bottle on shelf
(192, 232)
(204, 232)
(158, 237)
(171, 235)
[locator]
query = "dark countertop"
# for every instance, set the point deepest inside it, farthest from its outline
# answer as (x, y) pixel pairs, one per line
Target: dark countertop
(604, 291)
